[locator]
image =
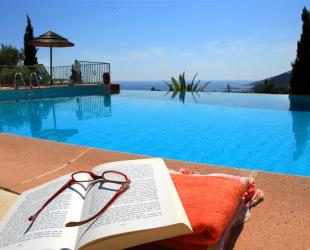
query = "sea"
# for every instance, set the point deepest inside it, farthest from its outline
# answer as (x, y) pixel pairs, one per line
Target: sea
(214, 86)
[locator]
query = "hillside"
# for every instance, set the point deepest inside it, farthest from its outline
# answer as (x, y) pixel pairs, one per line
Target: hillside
(279, 82)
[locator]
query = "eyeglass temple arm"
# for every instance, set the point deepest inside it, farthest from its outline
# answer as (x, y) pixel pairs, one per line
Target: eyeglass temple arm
(118, 193)
(64, 187)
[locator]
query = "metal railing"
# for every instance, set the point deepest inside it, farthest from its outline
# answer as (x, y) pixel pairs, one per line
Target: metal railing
(81, 72)
(12, 76)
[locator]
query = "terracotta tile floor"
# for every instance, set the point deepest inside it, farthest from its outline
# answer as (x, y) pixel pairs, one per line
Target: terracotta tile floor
(281, 221)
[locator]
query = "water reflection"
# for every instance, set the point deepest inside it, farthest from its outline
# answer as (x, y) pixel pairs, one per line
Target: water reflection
(46, 119)
(93, 106)
(52, 133)
(182, 94)
(300, 123)
(17, 115)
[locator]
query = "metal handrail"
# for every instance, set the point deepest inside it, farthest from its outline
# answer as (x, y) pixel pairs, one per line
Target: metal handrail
(36, 78)
(15, 80)
(81, 72)
(92, 62)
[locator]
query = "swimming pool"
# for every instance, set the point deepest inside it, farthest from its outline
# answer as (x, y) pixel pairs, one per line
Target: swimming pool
(249, 131)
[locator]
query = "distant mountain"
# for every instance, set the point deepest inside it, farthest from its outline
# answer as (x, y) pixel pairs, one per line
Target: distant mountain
(279, 82)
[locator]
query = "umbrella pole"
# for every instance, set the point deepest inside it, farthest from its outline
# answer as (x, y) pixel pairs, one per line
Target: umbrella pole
(51, 65)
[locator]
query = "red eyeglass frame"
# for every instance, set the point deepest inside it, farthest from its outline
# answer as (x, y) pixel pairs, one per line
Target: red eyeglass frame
(121, 190)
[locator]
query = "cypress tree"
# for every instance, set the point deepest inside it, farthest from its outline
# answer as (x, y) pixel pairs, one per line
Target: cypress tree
(29, 51)
(300, 78)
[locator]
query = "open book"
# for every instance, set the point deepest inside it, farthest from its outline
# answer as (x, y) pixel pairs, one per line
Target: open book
(149, 210)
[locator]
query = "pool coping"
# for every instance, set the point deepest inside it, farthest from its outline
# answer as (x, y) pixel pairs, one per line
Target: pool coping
(281, 221)
(11, 94)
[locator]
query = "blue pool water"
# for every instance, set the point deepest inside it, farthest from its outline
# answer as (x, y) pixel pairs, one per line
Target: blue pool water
(239, 130)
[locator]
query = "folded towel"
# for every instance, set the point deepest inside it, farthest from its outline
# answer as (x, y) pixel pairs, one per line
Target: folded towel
(173, 243)
(214, 204)
(210, 203)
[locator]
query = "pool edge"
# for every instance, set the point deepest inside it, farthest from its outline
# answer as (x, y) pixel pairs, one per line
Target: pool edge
(9, 94)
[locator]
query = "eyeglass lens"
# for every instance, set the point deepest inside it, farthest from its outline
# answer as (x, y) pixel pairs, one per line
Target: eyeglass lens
(82, 177)
(114, 176)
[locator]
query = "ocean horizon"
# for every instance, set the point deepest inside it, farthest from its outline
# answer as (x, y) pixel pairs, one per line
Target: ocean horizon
(215, 85)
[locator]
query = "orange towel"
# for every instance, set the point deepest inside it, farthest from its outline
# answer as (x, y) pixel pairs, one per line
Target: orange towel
(210, 203)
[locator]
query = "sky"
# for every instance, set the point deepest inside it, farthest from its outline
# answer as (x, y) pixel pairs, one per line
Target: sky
(154, 40)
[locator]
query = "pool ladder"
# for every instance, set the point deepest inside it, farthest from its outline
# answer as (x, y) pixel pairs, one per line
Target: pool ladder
(36, 79)
(32, 74)
(18, 74)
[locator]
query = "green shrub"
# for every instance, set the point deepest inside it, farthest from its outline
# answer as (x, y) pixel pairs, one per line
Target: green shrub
(182, 86)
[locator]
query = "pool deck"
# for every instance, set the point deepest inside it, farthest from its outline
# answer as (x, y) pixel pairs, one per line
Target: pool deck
(281, 221)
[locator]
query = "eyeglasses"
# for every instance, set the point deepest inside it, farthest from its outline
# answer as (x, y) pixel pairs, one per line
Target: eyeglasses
(113, 177)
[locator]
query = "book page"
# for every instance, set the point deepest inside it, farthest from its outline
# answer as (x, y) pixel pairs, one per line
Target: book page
(47, 231)
(150, 202)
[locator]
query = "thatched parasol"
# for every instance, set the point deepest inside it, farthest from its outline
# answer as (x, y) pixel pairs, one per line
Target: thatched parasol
(51, 39)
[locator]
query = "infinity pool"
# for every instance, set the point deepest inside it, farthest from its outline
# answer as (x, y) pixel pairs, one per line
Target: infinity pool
(258, 132)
